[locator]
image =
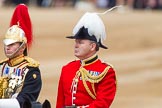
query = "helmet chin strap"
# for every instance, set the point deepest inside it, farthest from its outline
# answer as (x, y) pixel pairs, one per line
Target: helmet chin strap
(13, 54)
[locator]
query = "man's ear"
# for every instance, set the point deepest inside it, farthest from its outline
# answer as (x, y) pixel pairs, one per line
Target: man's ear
(93, 46)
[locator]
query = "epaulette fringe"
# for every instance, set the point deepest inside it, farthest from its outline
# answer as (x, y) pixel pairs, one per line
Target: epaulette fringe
(32, 62)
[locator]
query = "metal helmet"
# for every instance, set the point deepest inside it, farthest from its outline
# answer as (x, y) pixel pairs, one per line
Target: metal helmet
(20, 29)
(14, 34)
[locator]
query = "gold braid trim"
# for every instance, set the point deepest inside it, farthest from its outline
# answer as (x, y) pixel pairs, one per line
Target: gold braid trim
(86, 86)
(31, 62)
(93, 88)
(93, 79)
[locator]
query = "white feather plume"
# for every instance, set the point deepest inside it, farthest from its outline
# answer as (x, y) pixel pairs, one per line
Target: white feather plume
(94, 24)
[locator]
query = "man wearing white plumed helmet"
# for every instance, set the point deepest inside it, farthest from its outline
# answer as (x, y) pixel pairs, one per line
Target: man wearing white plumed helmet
(87, 82)
(20, 80)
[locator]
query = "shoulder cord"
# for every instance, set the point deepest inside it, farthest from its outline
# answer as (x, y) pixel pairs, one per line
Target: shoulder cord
(93, 79)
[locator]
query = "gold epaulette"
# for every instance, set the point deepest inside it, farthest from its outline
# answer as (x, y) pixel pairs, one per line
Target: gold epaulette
(31, 62)
(2, 61)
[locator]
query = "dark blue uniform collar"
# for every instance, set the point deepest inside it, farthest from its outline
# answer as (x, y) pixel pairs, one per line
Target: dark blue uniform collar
(89, 60)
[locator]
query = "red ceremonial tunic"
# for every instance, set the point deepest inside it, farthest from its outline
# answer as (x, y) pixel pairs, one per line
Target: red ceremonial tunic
(105, 89)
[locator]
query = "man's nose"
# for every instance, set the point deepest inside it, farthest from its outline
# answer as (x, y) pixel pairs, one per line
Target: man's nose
(76, 45)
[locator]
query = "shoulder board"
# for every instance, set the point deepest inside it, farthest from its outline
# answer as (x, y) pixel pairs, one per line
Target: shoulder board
(31, 62)
(2, 61)
(108, 64)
